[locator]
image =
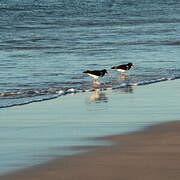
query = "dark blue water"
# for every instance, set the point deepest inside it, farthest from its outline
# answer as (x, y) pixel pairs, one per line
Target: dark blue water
(45, 45)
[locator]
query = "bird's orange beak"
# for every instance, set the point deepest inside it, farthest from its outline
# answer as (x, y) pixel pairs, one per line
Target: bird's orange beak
(133, 66)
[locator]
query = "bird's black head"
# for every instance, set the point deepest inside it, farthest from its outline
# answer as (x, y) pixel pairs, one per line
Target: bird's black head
(130, 65)
(104, 71)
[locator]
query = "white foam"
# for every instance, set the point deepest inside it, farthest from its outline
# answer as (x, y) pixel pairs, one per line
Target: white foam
(57, 93)
(61, 92)
(72, 90)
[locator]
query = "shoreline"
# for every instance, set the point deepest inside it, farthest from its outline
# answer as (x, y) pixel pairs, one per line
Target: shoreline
(124, 86)
(152, 153)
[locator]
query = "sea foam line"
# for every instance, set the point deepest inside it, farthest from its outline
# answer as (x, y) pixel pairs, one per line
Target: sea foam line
(59, 93)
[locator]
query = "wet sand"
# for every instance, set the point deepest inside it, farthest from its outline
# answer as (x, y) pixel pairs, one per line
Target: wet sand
(153, 153)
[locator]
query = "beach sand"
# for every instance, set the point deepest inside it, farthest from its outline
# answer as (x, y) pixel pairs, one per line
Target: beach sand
(153, 153)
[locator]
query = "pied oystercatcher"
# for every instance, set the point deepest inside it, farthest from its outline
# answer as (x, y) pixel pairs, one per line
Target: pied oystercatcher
(123, 67)
(96, 74)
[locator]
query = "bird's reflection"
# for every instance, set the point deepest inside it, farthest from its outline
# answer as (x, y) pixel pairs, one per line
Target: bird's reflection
(97, 84)
(98, 97)
(127, 90)
(123, 77)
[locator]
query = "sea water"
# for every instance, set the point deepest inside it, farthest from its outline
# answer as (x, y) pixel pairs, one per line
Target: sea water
(45, 45)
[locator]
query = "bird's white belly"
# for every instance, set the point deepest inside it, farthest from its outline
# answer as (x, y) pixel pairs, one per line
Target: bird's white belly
(94, 76)
(121, 70)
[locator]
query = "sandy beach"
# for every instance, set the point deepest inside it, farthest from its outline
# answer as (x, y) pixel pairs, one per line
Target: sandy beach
(150, 154)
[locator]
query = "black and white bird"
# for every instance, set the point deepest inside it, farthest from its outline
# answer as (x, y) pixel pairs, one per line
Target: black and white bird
(123, 67)
(96, 74)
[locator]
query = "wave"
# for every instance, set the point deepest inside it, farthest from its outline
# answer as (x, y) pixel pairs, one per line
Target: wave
(43, 95)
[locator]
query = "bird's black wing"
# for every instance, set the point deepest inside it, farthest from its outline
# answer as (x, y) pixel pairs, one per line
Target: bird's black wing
(123, 66)
(95, 72)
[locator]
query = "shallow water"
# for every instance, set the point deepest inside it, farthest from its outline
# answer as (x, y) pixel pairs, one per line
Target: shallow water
(46, 45)
(38, 132)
